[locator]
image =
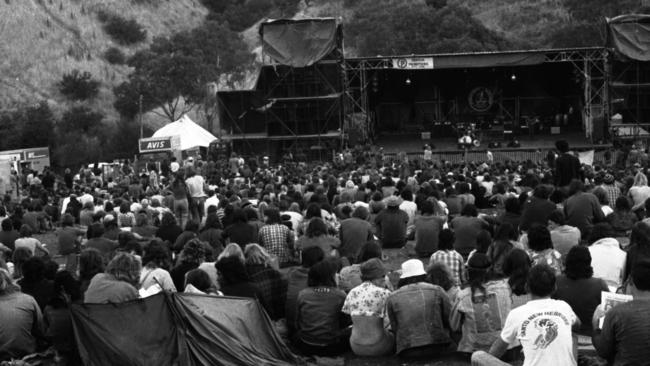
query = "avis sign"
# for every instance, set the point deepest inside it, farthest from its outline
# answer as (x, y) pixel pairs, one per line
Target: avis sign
(155, 144)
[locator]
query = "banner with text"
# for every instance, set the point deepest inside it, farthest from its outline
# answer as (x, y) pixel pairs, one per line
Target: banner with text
(413, 63)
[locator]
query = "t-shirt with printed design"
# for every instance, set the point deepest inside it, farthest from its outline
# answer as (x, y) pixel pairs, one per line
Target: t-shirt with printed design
(543, 327)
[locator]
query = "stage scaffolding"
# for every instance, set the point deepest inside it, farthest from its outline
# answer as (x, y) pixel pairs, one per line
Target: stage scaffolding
(590, 63)
(300, 109)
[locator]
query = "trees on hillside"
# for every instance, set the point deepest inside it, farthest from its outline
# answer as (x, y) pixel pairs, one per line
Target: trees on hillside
(392, 27)
(30, 126)
(78, 85)
(179, 67)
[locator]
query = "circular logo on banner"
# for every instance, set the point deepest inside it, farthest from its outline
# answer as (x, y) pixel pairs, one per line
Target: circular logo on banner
(402, 63)
(480, 99)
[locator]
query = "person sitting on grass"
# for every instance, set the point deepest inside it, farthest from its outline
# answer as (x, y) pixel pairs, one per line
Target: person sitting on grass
(365, 304)
(447, 255)
(419, 315)
(543, 327)
(322, 329)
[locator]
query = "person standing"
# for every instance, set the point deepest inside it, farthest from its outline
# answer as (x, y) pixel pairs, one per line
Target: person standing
(195, 186)
(181, 203)
(567, 166)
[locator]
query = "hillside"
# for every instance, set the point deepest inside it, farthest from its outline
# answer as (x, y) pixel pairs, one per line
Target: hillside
(44, 39)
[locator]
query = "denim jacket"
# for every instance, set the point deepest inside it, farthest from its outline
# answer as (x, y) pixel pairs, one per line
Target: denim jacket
(419, 315)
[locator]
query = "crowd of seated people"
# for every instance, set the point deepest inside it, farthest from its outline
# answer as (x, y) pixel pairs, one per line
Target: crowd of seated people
(505, 261)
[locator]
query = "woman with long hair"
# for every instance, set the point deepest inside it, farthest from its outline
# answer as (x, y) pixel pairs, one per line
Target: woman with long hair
(439, 274)
(156, 264)
(317, 234)
(272, 285)
(639, 193)
(579, 288)
(169, 229)
(505, 240)
(181, 206)
(212, 233)
(191, 257)
(119, 283)
(91, 262)
(516, 267)
(481, 307)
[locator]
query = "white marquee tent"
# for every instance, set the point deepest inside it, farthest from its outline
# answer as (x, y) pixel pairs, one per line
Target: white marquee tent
(191, 134)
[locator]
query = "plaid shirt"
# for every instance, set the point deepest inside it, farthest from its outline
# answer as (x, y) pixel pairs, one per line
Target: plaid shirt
(613, 193)
(278, 241)
(454, 262)
(272, 286)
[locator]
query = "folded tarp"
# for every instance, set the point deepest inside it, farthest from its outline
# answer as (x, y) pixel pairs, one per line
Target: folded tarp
(178, 329)
(300, 43)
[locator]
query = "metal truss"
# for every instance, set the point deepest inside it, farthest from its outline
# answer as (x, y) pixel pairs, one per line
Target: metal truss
(591, 63)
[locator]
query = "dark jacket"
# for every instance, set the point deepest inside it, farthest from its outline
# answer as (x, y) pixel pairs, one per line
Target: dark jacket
(567, 168)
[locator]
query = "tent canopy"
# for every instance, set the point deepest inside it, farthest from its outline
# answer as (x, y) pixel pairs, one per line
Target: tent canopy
(190, 133)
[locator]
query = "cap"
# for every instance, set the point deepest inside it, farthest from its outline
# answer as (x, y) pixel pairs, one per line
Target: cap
(372, 269)
(412, 268)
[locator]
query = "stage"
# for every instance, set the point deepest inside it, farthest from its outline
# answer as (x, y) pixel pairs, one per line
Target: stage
(413, 143)
(533, 148)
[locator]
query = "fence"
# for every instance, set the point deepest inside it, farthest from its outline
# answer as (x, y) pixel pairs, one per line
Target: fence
(499, 156)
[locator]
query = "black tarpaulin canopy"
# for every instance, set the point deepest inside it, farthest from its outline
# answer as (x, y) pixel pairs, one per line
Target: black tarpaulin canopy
(299, 43)
(178, 329)
(629, 36)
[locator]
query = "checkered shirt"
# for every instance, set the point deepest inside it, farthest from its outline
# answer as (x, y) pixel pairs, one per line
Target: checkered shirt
(613, 193)
(454, 262)
(278, 241)
(273, 289)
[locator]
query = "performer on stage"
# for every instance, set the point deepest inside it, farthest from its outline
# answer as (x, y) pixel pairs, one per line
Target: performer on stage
(466, 140)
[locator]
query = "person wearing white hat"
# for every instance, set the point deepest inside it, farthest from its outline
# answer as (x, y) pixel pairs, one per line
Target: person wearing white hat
(419, 314)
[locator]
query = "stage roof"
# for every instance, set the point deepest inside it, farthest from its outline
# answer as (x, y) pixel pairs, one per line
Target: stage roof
(471, 59)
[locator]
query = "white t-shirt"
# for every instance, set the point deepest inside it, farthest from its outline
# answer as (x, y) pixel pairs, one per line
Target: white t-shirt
(543, 327)
(195, 186)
